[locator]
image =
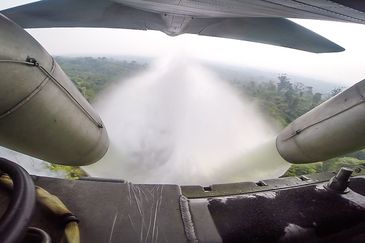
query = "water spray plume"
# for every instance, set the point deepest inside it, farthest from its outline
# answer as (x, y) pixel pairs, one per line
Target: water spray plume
(179, 123)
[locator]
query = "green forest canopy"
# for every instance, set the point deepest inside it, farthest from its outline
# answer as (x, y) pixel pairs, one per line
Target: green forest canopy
(282, 100)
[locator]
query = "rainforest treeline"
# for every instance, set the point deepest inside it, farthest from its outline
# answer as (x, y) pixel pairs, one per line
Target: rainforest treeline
(281, 99)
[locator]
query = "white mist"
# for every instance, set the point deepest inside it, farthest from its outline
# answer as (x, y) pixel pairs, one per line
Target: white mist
(178, 123)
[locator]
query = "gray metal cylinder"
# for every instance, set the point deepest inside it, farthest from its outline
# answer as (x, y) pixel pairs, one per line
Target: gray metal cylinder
(42, 113)
(333, 128)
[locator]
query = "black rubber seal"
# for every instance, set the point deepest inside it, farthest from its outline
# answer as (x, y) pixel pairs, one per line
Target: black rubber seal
(69, 217)
(14, 222)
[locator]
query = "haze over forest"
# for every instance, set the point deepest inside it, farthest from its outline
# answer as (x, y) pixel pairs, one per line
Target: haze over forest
(280, 97)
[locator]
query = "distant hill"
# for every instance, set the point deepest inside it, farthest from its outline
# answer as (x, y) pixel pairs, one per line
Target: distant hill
(93, 74)
(122, 67)
(247, 74)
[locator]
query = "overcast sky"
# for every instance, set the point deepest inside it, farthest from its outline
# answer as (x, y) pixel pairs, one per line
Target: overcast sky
(345, 68)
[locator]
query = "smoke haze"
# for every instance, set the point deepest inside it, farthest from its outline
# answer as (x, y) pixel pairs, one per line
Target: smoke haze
(32, 165)
(178, 123)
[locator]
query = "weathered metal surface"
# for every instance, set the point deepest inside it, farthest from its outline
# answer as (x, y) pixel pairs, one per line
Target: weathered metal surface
(205, 228)
(115, 211)
(250, 187)
(304, 214)
(42, 113)
(112, 211)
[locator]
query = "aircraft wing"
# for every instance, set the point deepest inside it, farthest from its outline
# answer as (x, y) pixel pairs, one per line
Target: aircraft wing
(83, 13)
(273, 31)
(256, 21)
